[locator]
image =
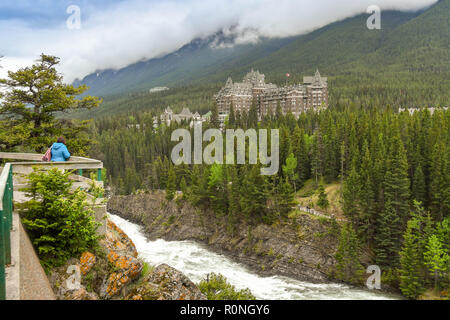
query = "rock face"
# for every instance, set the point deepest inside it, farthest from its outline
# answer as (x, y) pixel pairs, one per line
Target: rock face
(302, 247)
(122, 255)
(166, 283)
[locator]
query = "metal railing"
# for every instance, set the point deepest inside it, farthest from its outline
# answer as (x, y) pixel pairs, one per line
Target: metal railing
(27, 163)
(6, 210)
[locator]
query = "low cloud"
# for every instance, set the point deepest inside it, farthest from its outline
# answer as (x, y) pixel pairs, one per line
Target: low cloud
(128, 31)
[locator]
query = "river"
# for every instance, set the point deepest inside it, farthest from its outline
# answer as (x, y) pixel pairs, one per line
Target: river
(196, 261)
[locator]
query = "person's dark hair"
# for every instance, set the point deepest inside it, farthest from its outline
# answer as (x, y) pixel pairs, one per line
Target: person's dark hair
(61, 140)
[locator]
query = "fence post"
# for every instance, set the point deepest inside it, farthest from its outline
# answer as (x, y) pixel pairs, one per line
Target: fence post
(2, 258)
(7, 223)
(99, 175)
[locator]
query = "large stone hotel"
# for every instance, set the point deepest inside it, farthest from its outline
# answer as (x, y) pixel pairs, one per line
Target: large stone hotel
(311, 95)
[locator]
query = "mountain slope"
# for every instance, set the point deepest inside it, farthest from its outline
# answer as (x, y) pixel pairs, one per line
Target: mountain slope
(408, 61)
(200, 58)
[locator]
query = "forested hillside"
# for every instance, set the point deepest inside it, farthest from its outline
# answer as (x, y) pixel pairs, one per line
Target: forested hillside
(392, 168)
(406, 64)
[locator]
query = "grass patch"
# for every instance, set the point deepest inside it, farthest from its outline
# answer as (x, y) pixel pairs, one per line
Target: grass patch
(308, 196)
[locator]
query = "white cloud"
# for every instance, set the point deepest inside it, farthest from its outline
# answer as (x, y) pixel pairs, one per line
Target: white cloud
(136, 29)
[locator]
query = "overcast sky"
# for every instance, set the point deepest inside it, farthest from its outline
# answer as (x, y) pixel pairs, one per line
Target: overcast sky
(115, 33)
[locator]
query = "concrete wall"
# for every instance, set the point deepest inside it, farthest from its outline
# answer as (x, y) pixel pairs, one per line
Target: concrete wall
(26, 279)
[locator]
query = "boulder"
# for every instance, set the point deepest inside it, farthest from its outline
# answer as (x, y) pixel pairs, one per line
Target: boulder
(81, 294)
(166, 283)
(122, 255)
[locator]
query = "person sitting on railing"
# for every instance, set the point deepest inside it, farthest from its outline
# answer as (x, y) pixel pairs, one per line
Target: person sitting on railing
(59, 150)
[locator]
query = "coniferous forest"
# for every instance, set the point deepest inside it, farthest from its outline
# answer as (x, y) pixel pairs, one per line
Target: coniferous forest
(381, 175)
(393, 169)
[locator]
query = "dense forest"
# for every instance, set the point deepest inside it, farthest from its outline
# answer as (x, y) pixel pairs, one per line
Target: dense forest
(394, 168)
(405, 64)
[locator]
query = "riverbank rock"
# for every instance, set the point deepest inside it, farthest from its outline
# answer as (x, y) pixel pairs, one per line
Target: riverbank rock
(166, 283)
(102, 275)
(87, 261)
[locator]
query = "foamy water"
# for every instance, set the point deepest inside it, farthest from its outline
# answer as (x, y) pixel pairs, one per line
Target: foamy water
(196, 261)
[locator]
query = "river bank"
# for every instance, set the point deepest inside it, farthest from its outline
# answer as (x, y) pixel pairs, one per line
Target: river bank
(302, 248)
(196, 261)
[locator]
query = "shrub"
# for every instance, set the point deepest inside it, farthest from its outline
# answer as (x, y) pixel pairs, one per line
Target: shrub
(59, 222)
(216, 287)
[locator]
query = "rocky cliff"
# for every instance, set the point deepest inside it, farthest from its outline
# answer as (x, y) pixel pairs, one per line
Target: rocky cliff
(302, 247)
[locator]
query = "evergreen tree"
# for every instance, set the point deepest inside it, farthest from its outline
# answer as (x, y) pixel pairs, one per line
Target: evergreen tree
(217, 189)
(254, 194)
(348, 267)
(322, 202)
(285, 198)
(367, 196)
(171, 184)
(436, 258)
(418, 186)
(397, 184)
(33, 98)
(411, 256)
(234, 207)
(387, 238)
(215, 115)
(253, 116)
(350, 192)
(232, 117)
(289, 170)
(439, 182)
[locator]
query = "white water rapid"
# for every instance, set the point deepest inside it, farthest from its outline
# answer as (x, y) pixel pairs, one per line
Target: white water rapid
(196, 261)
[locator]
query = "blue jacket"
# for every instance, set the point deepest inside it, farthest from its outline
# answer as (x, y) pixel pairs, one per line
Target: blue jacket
(60, 152)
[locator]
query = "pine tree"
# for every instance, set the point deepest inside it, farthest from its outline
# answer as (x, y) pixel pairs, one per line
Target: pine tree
(418, 186)
(388, 237)
(411, 258)
(33, 99)
(214, 115)
(285, 198)
(350, 192)
(367, 196)
(253, 116)
(436, 258)
(322, 202)
(397, 184)
(217, 189)
(439, 182)
(234, 192)
(171, 184)
(254, 194)
(232, 117)
(348, 267)
(289, 170)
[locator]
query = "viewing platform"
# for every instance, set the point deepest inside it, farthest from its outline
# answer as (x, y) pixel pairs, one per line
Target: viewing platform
(21, 274)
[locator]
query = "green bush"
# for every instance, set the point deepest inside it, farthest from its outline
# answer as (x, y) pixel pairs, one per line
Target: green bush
(59, 222)
(216, 287)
